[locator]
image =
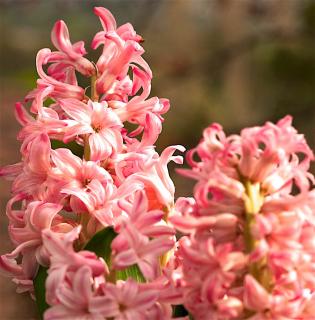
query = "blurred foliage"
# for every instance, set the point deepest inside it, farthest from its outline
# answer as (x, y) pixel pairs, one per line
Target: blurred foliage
(308, 19)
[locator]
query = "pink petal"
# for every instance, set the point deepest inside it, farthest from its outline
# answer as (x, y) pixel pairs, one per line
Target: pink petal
(68, 164)
(100, 148)
(39, 156)
(77, 110)
(61, 39)
(107, 19)
(125, 258)
(255, 296)
(42, 214)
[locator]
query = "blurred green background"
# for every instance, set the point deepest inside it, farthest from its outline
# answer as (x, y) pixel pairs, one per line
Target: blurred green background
(237, 62)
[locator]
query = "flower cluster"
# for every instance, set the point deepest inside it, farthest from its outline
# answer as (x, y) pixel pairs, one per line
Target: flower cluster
(248, 250)
(92, 215)
(82, 171)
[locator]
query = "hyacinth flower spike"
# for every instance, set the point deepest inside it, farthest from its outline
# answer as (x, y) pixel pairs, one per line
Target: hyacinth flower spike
(246, 253)
(91, 198)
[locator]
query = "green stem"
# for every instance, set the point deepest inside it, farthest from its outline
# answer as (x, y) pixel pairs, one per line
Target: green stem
(112, 276)
(84, 220)
(253, 203)
(166, 256)
(87, 150)
(94, 95)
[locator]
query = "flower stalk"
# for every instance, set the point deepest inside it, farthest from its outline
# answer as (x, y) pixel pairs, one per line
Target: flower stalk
(253, 203)
(94, 95)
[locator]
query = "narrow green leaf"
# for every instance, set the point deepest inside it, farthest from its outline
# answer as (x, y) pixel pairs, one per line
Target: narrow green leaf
(73, 146)
(133, 272)
(39, 288)
(100, 244)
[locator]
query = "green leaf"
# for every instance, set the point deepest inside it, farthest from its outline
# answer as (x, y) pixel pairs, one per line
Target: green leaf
(101, 245)
(39, 288)
(72, 146)
(179, 311)
(133, 272)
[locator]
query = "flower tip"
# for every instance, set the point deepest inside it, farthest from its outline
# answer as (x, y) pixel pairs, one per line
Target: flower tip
(57, 30)
(101, 10)
(181, 148)
(107, 19)
(59, 24)
(97, 10)
(288, 119)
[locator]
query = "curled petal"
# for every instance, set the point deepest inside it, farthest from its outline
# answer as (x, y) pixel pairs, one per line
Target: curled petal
(107, 19)
(255, 296)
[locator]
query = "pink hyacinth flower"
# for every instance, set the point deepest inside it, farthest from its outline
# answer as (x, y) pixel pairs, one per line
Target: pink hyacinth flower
(248, 253)
(26, 231)
(97, 121)
(57, 88)
(64, 259)
(143, 237)
(74, 175)
(73, 297)
(73, 53)
(125, 300)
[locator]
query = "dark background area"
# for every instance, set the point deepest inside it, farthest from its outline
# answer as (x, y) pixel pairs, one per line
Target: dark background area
(236, 62)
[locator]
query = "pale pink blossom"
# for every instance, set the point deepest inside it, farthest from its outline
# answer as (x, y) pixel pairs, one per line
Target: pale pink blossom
(73, 298)
(9, 267)
(61, 200)
(143, 237)
(26, 232)
(122, 55)
(248, 249)
(58, 88)
(125, 300)
(47, 122)
(120, 49)
(121, 52)
(73, 54)
(31, 175)
(64, 261)
(137, 108)
(75, 175)
(102, 203)
(270, 154)
(154, 175)
(98, 122)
